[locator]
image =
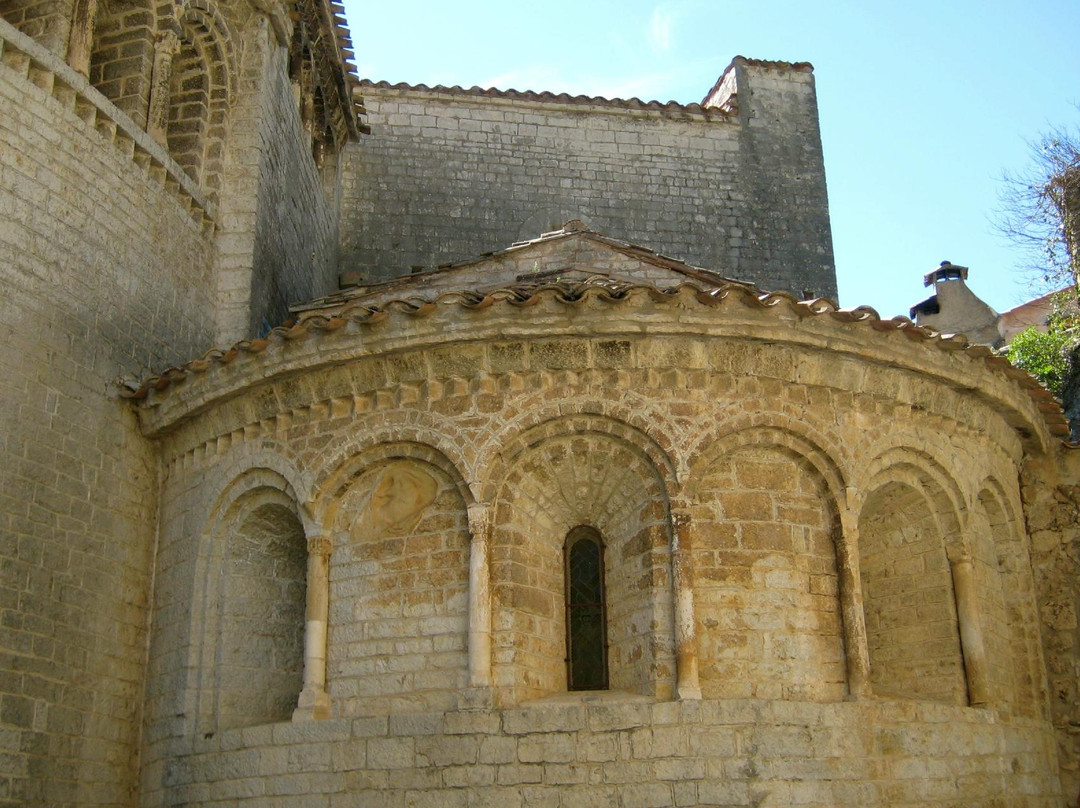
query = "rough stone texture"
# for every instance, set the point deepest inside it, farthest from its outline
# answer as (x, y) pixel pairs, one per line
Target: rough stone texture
(108, 257)
(783, 491)
(910, 618)
(383, 432)
(1052, 502)
(123, 261)
(626, 753)
(450, 175)
(766, 537)
(398, 591)
(296, 228)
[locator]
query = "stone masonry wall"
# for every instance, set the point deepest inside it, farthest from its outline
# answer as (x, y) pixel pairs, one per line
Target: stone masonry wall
(296, 225)
(767, 534)
(105, 268)
(449, 175)
(1051, 489)
(556, 432)
(278, 223)
(628, 753)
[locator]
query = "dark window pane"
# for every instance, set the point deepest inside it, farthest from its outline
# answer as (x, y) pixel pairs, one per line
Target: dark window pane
(585, 631)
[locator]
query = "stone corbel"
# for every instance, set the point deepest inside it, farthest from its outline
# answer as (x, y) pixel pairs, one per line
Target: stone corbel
(314, 701)
(687, 680)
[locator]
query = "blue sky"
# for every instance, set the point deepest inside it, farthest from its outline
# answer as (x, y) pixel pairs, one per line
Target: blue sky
(923, 104)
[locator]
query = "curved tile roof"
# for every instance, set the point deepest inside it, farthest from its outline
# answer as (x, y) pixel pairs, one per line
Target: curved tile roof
(607, 290)
(552, 98)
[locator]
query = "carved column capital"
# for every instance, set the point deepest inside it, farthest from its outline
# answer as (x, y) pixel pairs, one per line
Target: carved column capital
(320, 544)
(479, 520)
(166, 46)
(167, 43)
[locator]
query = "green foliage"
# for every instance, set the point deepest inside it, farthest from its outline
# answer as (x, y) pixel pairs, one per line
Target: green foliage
(1043, 353)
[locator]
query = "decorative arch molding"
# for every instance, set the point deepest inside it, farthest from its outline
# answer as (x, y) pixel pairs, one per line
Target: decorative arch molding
(921, 471)
(1007, 499)
(192, 86)
(378, 449)
(253, 466)
(396, 516)
(792, 429)
(918, 580)
(1007, 595)
(580, 471)
(502, 449)
(768, 507)
(767, 430)
(205, 16)
(447, 447)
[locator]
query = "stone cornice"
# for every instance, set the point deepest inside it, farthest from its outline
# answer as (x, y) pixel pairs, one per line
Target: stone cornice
(572, 311)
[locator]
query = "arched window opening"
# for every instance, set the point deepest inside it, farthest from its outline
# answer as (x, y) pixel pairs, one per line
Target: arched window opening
(586, 618)
(189, 102)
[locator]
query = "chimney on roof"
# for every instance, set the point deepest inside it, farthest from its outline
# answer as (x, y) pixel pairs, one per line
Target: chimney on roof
(955, 309)
(948, 271)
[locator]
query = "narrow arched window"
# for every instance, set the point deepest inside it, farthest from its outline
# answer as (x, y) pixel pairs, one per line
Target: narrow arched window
(586, 629)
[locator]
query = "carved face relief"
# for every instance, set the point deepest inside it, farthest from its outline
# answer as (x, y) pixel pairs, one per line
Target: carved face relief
(398, 500)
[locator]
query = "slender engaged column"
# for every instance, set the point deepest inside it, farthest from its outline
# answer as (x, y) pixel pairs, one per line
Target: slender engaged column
(971, 638)
(157, 117)
(479, 597)
(307, 97)
(81, 38)
(687, 683)
(849, 583)
(314, 701)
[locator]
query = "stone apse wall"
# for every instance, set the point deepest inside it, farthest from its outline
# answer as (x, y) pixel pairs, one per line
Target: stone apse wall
(816, 565)
(114, 245)
(735, 186)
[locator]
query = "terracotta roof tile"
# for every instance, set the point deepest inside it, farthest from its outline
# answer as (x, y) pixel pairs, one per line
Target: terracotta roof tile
(798, 67)
(571, 229)
(576, 293)
(669, 107)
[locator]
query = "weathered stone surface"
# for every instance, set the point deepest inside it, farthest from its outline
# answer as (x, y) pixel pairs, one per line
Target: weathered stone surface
(823, 575)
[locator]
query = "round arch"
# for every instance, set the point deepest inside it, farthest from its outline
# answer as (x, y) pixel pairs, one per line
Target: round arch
(250, 609)
(766, 506)
(911, 519)
(573, 472)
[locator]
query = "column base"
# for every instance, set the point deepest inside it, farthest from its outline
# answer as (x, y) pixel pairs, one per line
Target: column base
(313, 705)
(475, 698)
(688, 692)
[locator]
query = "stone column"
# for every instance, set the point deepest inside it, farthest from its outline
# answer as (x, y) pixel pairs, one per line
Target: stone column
(81, 36)
(971, 638)
(157, 117)
(687, 683)
(479, 691)
(314, 701)
(849, 581)
(307, 97)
